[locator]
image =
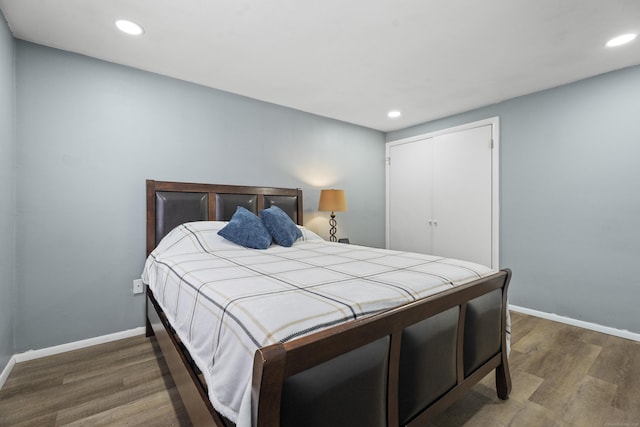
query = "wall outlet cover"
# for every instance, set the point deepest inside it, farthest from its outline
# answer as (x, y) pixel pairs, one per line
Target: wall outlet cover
(138, 288)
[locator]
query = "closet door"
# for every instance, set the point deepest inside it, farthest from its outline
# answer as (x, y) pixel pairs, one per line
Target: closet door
(462, 189)
(442, 194)
(409, 200)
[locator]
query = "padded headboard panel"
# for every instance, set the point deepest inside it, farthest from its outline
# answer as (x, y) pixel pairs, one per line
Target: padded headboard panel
(174, 208)
(170, 204)
(226, 204)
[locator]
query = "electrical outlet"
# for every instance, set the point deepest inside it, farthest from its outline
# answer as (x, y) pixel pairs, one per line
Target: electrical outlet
(137, 286)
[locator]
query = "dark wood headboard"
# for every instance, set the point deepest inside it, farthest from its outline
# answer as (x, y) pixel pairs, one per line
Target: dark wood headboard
(170, 204)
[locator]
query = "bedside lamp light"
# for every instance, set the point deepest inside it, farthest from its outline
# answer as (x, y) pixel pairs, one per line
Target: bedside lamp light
(332, 201)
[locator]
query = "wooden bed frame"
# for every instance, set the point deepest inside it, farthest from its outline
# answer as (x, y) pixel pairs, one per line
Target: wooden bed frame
(400, 367)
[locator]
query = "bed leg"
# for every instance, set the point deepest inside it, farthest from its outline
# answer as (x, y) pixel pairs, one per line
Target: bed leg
(503, 379)
(149, 330)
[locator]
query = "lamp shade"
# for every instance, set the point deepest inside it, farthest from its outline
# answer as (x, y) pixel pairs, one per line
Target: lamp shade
(332, 200)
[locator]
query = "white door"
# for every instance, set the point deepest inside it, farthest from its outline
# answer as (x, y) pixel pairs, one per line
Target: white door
(462, 195)
(442, 193)
(409, 196)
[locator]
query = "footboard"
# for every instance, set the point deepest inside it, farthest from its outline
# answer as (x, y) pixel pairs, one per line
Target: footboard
(401, 367)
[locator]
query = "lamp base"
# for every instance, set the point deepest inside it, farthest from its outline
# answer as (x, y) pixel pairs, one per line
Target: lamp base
(332, 230)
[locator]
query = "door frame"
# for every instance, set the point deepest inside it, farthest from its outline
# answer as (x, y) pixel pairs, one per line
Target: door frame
(495, 178)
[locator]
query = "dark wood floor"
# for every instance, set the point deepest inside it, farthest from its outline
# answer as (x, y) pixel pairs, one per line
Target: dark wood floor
(562, 376)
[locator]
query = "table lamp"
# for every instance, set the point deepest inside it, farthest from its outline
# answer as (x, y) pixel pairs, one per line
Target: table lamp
(332, 201)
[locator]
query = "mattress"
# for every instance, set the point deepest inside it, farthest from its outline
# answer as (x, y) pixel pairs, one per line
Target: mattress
(225, 301)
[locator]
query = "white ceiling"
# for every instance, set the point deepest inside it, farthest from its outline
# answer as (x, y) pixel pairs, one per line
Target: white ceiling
(352, 60)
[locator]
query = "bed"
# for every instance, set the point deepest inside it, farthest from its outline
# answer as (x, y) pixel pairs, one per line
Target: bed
(317, 333)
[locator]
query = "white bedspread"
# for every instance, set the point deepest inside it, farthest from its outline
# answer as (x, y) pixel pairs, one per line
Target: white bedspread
(225, 301)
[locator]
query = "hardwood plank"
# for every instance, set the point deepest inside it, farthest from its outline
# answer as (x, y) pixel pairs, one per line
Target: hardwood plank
(590, 403)
(521, 325)
(41, 402)
(534, 415)
(44, 420)
(48, 369)
(152, 410)
(619, 363)
(103, 404)
(563, 372)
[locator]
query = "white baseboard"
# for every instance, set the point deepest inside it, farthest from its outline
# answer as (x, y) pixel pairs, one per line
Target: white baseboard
(7, 370)
(49, 351)
(622, 333)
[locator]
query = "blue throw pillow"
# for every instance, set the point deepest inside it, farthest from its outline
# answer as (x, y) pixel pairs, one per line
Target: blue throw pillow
(281, 227)
(246, 229)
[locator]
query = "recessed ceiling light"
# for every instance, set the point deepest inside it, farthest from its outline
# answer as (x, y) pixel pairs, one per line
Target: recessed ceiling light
(394, 114)
(620, 40)
(129, 27)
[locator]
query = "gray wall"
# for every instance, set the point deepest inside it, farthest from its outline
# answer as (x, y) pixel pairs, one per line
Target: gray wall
(88, 135)
(570, 197)
(7, 203)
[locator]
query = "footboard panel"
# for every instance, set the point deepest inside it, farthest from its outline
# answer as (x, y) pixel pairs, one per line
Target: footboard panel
(482, 330)
(354, 385)
(427, 368)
